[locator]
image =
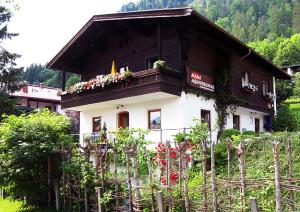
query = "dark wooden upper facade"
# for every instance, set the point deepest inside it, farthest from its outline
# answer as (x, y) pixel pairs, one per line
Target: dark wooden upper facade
(181, 37)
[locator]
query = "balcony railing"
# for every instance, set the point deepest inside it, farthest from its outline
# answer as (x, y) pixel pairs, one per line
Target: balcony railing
(143, 82)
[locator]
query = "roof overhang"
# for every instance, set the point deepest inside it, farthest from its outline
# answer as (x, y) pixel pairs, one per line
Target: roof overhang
(90, 30)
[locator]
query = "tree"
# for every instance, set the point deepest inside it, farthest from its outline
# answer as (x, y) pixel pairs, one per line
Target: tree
(296, 17)
(10, 76)
(28, 143)
(297, 84)
(285, 119)
(287, 54)
(72, 80)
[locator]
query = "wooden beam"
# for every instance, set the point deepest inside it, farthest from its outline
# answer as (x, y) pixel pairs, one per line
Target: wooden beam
(159, 46)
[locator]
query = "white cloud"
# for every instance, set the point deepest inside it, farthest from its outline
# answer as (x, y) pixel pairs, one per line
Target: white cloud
(45, 26)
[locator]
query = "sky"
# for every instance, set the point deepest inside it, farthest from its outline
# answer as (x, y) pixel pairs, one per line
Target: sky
(45, 26)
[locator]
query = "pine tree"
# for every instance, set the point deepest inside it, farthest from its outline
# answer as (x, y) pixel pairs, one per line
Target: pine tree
(10, 76)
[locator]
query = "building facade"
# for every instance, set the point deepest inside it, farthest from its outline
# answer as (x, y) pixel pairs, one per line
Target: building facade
(39, 97)
(193, 52)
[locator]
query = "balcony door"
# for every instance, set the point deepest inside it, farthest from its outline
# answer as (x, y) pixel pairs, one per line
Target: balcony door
(123, 119)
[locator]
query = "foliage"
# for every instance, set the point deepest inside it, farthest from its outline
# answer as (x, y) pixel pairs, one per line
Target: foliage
(131, 137)
(247, 20)
(72, 80)
(199, 132)
(37, 73)
(285, 119)
(160, 65)
(10, 75)
(296, 90)
(229, 133)
(165, 154)
(26, 143)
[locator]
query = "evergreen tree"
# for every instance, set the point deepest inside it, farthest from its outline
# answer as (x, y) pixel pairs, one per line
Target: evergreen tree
(296, 17)
(10, 75)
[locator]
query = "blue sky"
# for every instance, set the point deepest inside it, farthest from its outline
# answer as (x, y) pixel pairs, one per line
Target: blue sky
(45, 26)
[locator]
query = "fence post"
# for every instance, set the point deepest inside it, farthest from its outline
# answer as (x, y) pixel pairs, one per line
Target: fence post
(290, 159)
(129, 178)
(204, 162)
(229, 147)
(57, 203)
(240, 153)
(277, 177)
(160, 201)
(1, 193)
(253, 205)
(213, 178)
(98, 190)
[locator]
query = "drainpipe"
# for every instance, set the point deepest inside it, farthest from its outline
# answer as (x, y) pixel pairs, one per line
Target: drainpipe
(274, 92)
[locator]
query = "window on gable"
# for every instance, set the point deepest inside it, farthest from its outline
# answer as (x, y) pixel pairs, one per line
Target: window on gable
(150, 61)
(154, 119)
(265, 88)
(245, 79)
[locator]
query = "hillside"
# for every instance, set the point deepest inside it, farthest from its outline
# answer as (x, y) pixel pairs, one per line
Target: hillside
(249, 20)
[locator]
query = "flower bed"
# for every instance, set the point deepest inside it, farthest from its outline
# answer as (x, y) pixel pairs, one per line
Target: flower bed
(100, 81)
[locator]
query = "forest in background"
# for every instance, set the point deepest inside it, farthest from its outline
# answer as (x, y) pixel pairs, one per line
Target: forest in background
(267, 26)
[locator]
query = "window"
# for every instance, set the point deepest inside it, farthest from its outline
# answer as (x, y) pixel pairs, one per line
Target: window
(97, 124)
(123, 119)
(150, 61)
(257, 125)
(205, 117)
(245, 79)
(154, 119)
(236, 122)
(265, 87)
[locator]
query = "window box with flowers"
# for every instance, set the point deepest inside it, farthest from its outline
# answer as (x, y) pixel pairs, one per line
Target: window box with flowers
(270, 96)
(101, 81)
(250, 88)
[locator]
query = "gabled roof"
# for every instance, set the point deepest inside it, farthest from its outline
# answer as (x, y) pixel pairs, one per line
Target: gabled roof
(88, 32)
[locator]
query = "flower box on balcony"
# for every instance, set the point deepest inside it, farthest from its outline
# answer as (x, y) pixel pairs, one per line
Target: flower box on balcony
(250, 88)
(270, 96)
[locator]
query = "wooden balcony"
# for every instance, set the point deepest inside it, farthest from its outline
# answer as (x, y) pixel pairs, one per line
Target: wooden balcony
(143, 82)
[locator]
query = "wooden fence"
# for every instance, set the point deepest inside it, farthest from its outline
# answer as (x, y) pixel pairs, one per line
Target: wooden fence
(130, 191)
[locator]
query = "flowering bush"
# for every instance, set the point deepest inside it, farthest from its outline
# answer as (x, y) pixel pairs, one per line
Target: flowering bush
(251, 87)
(167, 153)
(100, 82)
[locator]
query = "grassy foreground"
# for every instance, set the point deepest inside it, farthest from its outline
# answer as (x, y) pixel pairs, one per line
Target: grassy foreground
(7, 205)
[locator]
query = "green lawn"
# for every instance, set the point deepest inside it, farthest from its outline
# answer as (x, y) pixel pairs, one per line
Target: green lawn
(7, 205)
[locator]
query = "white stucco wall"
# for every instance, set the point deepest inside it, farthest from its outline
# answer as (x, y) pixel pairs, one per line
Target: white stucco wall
(176, 113)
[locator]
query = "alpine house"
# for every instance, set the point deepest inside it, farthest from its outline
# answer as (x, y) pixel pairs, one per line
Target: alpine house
(160, 69)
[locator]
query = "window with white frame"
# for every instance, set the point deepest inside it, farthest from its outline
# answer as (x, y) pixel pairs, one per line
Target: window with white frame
(265, 88)
(245, 79)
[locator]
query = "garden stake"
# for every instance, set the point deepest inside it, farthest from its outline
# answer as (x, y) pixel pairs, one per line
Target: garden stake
(204, 162)
(229, 147)
(240, 154)
(149, 169)
(129, 178)
(291, 193)
(116, 173)
(277, 177)
(136, 176)
(213, 179)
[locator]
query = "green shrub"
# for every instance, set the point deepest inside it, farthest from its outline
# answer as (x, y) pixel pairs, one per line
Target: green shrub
(249, 132)
(229, 133)
(285, 119)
